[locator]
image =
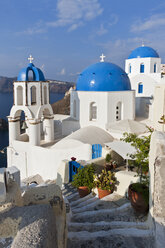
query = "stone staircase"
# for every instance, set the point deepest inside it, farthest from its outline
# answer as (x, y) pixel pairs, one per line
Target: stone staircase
(109, 222)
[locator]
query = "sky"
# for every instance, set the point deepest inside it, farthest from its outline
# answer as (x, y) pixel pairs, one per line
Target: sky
(66, 36)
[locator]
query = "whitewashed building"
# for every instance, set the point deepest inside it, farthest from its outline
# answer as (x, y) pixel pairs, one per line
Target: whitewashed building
(103, 95)
(143, 67)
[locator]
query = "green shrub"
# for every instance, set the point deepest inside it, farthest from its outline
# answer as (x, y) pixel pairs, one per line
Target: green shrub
(84, 177)
(108, 158)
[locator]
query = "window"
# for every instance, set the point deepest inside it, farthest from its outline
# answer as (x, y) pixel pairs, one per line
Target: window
(118, 111)
(142, 68)
(93, 111)
(19, 95)
(155, 68)
(45, 95)
(74, 109)
(33, 95)
(130, 68)
(140, 88)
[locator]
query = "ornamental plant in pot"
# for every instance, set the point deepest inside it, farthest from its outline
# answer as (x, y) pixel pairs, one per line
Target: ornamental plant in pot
(105, 183)
(109, 163)
(138, 193)
(84, 180)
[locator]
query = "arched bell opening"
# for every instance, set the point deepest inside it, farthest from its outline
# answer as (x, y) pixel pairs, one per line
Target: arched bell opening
(31, 75)
(18, 128)
(19, 95)
(45, 95)
(33, 95)
(46, 126)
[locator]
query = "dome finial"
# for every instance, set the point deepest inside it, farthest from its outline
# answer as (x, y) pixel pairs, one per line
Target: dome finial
(30, 59)
(102, 57)
(142, 43)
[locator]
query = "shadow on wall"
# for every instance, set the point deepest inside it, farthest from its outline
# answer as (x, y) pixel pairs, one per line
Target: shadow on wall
(142, 106)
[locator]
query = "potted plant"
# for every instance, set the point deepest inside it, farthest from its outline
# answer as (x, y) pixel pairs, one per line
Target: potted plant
(105, 183)
(84, 180)
(109, 163)
(138, 193)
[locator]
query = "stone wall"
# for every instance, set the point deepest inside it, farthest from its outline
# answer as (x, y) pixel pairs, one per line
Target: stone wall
(157, 187)
(36, 218)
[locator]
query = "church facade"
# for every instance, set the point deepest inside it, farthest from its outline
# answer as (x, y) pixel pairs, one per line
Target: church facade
(104, 94)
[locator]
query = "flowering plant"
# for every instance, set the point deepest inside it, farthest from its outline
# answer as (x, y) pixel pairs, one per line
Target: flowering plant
(73, 158)
(106, 180)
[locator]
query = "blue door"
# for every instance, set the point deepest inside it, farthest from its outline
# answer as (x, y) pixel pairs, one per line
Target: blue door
(96, 151)
(73, 169)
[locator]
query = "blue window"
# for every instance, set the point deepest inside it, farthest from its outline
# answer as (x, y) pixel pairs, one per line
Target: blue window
(140, 88)
(155, 68)
(130, 68)
(142, 68)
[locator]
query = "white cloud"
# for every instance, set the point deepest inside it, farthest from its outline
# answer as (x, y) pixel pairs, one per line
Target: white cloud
(38, 28)
(113, 19)
(74, 13)
(153, 22)
(62, 72)
(104, 27)
(102, 30)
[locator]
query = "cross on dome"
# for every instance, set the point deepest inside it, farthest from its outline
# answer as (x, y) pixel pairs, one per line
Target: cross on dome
(142, 43)
(102, 57)
(30, 59)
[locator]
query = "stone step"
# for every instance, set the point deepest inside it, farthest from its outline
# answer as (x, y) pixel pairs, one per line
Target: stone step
(108, 202)
(73, 197)
(123, 213)
(80, 200)
(104, 226)
(123, 238)
(83, 205)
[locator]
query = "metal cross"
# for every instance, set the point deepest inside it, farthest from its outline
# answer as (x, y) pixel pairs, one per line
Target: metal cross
(30, 59)
(102, 57)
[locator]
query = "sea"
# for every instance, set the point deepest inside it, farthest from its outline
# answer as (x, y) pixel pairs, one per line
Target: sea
(6, 102)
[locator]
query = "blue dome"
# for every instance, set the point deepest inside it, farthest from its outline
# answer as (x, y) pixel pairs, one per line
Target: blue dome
(143, 52)
(103, 76)
(37, 74)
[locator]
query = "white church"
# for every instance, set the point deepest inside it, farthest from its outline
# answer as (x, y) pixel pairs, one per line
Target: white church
(104, 94)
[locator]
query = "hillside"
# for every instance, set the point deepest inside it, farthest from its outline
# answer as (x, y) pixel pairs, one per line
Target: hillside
(62, 106)
(6, 85)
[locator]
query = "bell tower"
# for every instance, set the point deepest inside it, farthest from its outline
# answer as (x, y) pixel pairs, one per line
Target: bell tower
(31, 101)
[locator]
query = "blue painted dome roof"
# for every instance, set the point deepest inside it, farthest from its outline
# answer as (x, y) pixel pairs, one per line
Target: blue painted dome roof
(37, 74)
(143, 52)
(103, 76)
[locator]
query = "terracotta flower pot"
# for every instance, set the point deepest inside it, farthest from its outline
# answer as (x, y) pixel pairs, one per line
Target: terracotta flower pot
(103, 192)
(137, 201)
(83, 191)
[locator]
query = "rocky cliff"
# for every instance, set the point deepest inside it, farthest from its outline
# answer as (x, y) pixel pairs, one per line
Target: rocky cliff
(56, 86)
(62, 106)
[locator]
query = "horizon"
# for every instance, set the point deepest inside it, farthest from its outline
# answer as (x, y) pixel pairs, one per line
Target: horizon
(66, 36)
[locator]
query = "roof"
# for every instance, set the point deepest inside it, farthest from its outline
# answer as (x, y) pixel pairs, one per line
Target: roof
(103, 76)
(129, 126)
(37, 74)
(143, 52)
(87, 135)
(122, 148)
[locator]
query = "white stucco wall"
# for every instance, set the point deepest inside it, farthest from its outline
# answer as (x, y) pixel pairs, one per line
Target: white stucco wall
(106, 103)
(31, 160)
(159, 107)
(148, 66)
